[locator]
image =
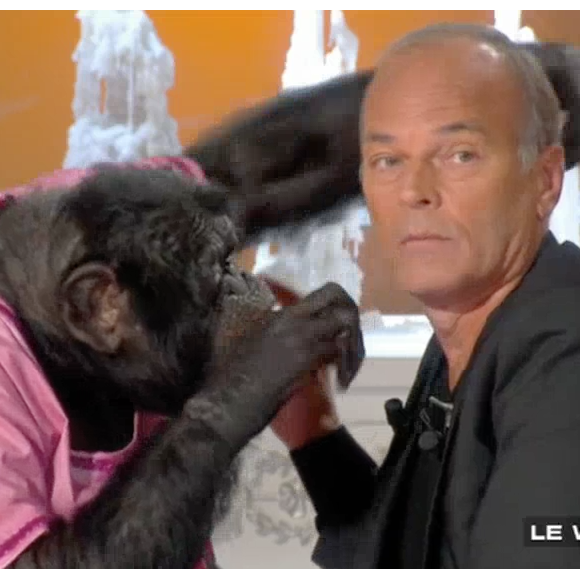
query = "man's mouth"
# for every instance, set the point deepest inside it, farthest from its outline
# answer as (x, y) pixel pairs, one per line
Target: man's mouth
(423, 238)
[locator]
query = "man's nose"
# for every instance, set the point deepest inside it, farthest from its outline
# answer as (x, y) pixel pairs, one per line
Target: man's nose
(420, 185)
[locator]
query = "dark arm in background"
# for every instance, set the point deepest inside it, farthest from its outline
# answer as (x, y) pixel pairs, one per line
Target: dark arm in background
(291, 158)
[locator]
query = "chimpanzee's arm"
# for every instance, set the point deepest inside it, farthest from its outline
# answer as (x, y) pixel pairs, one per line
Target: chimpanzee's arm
(155, 513)
(157, 510)
(321, 193)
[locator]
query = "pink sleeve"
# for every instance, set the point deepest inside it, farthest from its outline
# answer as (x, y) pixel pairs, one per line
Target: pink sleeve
(24, 498)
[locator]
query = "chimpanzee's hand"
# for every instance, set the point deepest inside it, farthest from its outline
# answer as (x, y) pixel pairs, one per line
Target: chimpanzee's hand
(251, 383)
(321, 329)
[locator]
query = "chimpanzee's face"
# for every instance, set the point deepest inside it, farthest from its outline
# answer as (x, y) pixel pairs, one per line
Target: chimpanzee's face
(134, 299)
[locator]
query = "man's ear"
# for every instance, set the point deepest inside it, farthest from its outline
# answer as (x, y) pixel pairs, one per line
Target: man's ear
(93, 307)
(550, 177)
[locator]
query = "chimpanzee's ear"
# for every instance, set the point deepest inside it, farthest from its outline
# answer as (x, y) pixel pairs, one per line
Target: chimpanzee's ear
(94, 307)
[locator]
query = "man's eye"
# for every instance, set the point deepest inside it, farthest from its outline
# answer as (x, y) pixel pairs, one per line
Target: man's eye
(385, 162)
(464, 156)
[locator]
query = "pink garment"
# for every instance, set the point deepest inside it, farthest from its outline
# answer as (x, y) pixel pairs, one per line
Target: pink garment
(70, 177)
(41, 478)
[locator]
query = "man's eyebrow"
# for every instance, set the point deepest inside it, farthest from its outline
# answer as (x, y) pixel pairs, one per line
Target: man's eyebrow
(378, 138)
(458, 127)
(462, 126)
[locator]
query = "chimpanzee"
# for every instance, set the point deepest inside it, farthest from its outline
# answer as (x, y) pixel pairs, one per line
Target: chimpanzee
(136, 362)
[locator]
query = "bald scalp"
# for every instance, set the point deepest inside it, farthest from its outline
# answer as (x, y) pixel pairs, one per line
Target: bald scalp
(454, 63)
(541, 119)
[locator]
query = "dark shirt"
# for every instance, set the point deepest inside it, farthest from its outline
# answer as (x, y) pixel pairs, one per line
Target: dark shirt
(406, 540)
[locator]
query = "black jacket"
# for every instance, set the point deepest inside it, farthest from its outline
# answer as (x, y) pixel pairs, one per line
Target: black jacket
(512, 452)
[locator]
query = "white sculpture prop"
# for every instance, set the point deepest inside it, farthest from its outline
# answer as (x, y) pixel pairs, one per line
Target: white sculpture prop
(120, 104)
(319, 253)
(508, 21)
(565, 220)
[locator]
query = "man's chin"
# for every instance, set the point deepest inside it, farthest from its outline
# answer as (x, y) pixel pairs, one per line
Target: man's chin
(450, 297)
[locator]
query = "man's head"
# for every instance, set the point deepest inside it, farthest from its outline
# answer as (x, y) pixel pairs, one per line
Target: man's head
(461, 161)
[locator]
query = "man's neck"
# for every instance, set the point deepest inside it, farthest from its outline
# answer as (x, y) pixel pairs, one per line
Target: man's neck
(458, 332)
(458, 329)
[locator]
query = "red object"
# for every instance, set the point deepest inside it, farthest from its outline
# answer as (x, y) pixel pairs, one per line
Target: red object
(284, 295)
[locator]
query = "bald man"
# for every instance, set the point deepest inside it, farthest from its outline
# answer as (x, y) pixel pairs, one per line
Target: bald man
(462, 165)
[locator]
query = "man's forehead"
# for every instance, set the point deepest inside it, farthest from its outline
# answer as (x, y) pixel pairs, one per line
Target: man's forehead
(438, 105)
(468, 126)
(450, 94)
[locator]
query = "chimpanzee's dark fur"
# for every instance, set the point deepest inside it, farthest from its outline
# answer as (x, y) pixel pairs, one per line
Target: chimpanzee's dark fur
(562, 65)
(292, 157)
